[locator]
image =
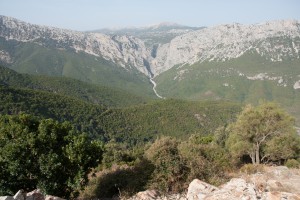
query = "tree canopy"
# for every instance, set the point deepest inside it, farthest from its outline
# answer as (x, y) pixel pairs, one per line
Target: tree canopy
(44, 154)
(264, 133)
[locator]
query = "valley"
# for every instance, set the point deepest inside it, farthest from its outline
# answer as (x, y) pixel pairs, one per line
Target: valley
(154, 88)
(241, 63)
(154, 107)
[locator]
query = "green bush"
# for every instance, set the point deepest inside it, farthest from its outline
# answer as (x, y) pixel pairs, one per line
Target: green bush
(252, 169)
(119, 181)
(117, 153)
(292, 163)
(44, 154)
(178, 163)
(170, 170)
(205, 161)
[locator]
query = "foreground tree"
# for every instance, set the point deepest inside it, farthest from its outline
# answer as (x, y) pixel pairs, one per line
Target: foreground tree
(44, 154)
(263, 133)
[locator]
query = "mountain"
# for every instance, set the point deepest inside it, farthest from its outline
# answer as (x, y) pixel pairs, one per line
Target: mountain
(118, 61)
(243, 63)
(153, 35)
(276, 41)
(122, 50)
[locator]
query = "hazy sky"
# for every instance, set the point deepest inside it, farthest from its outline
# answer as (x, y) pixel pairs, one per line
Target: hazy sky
(95, 14)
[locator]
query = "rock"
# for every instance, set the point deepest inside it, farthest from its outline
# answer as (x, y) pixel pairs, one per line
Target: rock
(20, 195)
(6, 198)
(225, 42)
(280, 196)
(236, 188)
(35, 195)
(274, 185)
(147, 195)
(199, 189)
(123, 50)
(50, 197)
(152, 194)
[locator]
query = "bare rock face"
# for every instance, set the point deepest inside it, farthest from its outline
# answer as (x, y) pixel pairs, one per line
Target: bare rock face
(225, 42)
(126, 51)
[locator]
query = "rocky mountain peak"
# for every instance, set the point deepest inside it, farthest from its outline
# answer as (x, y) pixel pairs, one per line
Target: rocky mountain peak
(126, 51)
(224, 42)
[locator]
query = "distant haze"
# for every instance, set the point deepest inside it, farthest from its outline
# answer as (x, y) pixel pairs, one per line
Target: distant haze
(86, 15)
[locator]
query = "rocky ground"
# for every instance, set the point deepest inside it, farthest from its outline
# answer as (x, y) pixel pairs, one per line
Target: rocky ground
(33, 195)
(272, 183)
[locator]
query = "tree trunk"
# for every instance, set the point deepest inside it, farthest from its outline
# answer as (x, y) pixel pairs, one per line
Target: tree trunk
(252, 156)
(257, 159)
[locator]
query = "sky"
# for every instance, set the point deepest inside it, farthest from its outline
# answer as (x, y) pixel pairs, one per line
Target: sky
(85, 15)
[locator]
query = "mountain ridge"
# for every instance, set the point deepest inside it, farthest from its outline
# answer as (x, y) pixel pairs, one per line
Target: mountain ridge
(150, 26)
(219, 43)
(123, 50)
(225, 42)
(235, 62)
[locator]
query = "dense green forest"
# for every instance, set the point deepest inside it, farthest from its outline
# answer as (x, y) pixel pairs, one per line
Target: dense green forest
(47, 105)
(109, 97)
(109, 114)
(133, 124)
(175, 118)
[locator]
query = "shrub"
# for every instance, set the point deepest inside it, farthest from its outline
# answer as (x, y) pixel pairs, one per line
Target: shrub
(252, 169)
(118, 181)
(292, 163)
(116, 153)
(170, 171)
(205, 161)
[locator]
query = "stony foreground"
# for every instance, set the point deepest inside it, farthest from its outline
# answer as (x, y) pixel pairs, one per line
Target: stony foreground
(274, 183)
(34, 195)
